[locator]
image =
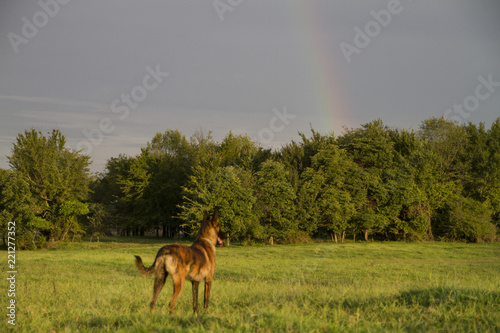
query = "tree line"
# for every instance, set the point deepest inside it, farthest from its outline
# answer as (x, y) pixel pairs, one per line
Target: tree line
(440, 182)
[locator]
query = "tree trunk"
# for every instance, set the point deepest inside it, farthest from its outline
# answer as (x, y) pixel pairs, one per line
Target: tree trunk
(429, 230)
(33, 240)
(354, 238)
(336, 240)
(271, 241)
(227, 239)
(343, 235)
(427, 209)
(331, 236)
(65, 233)
(366, 235)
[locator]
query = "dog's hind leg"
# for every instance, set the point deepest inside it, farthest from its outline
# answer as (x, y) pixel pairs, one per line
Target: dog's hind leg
(208, 286)
(160, 278)
(178, 280)
(195, 296)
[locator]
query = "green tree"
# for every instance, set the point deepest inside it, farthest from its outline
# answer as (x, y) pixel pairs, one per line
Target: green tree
(149, 186)
(483, 153)
(68, 213)
(493, 190)
(109, 198)
(170, 158)
(231, 193)
(325, 197)
(337, 209)
(372, 149)
(275, 205)
(16, 205)
(370, 146)
(297, 156)
(408, 203)
(99, 221)
(238, 150)
(466, 218)
(221, 178)
(55, 174)
(448, 140)
(442, 167)
(134, 185)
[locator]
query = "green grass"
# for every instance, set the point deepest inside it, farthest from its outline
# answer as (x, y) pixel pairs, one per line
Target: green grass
(360, 287)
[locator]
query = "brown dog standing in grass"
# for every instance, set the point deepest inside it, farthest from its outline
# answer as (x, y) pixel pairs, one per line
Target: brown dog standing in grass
(195, 263)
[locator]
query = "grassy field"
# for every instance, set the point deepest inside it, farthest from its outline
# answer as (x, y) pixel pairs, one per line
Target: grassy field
(361, 287)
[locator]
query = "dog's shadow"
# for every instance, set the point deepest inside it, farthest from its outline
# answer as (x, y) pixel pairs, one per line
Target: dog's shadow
(156, 322)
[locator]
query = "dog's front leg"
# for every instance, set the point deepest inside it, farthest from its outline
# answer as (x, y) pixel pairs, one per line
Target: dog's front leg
(208, 286)
(195, 296)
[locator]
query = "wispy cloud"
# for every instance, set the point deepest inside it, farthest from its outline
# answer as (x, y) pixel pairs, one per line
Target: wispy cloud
(56, 101)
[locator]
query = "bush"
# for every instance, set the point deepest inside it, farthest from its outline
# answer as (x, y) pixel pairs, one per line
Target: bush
(295, 237)
(466, 218)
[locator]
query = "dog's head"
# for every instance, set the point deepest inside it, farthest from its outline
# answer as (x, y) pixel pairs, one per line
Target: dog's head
(210, 226)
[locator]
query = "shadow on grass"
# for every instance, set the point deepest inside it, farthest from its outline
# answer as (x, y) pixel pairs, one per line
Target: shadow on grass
(149, 323)
(438, 296)
(387, 311)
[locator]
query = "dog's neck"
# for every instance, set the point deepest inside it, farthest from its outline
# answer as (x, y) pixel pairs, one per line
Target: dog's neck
(208, 239)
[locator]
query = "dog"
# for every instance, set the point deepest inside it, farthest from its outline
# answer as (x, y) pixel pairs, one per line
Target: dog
(195, 263)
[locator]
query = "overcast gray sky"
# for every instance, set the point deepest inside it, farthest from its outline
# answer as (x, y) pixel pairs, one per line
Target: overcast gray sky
(110, 74)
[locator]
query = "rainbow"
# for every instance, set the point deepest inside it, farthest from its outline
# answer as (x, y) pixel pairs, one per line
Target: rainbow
(330, 101)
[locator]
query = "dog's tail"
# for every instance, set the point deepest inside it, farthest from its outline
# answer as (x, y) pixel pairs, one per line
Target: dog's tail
(142, 269)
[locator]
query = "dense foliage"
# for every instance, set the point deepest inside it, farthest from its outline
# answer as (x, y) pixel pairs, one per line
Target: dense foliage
(441, 181)
(45, 191)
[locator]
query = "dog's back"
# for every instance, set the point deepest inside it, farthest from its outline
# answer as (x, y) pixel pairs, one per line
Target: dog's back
(196, 261)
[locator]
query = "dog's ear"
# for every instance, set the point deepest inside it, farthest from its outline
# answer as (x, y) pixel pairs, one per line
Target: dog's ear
(206, 216)
(215, 218)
